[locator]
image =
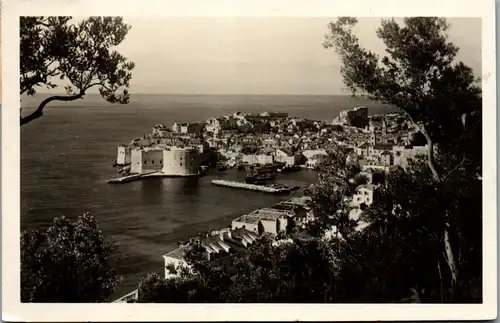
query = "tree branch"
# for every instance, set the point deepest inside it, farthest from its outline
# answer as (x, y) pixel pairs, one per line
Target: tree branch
(430, 155)
(39, 111)
(430, 143)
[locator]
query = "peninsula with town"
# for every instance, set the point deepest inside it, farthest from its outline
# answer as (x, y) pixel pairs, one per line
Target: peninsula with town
(262, 145)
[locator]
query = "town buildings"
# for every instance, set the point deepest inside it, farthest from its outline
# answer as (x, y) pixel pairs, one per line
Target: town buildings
(376, 145)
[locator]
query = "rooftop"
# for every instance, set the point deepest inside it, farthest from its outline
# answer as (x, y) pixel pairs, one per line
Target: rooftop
(266, 214)
(178, 253)
(383, 146)
(299, 200)
(370, 187)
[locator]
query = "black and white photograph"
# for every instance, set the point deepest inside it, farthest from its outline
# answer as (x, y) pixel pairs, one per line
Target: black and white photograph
(231, 159)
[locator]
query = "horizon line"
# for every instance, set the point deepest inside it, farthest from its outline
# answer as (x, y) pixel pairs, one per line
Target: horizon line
(214, 94)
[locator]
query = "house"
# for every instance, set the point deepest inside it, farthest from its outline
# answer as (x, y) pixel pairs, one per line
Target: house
(261, 159)
(362, 150)
(379, 148)
(283, 155)
(176, 127)
(213, 125)
(301, 213)
(175, 260)
(264, 221)
(218, 249)
(365, 195)
(386, 158)
(184, 128)
(269, 143)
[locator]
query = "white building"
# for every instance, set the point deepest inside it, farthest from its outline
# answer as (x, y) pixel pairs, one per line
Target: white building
(365, 194)
(281, 156)
(184, 128)
(213, 125)
(258, 159)
(264, 220)
(362, 149)
(176, 127)
(175, 260)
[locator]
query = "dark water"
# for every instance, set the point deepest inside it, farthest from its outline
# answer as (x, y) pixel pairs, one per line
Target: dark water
(66, 158)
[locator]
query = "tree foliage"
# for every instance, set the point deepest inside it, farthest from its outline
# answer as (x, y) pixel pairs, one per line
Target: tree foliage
(332, 191)
(420, 75)
(403, 247)
(69, 262)
(80, 53)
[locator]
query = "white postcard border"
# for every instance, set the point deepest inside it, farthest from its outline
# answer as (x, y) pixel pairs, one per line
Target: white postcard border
(13, 310)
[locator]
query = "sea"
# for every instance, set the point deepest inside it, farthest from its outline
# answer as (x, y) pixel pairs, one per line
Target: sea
(67, 157)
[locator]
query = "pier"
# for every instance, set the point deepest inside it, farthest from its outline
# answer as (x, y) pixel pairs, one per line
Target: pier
(273, 188)
(135, 177)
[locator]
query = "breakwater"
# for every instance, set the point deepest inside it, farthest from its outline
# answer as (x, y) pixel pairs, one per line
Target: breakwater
(135, 177)
(274, 189)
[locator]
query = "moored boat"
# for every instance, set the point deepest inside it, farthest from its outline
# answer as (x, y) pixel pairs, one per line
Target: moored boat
(289, 169)
(221, 167)
(258, 177)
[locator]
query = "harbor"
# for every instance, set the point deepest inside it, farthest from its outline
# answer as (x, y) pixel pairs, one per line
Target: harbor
(266, 188)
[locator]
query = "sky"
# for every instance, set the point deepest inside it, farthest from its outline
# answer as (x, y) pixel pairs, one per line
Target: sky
(261, 55)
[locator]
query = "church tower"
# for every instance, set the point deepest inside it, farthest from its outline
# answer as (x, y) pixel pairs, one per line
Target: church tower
(373, 135)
